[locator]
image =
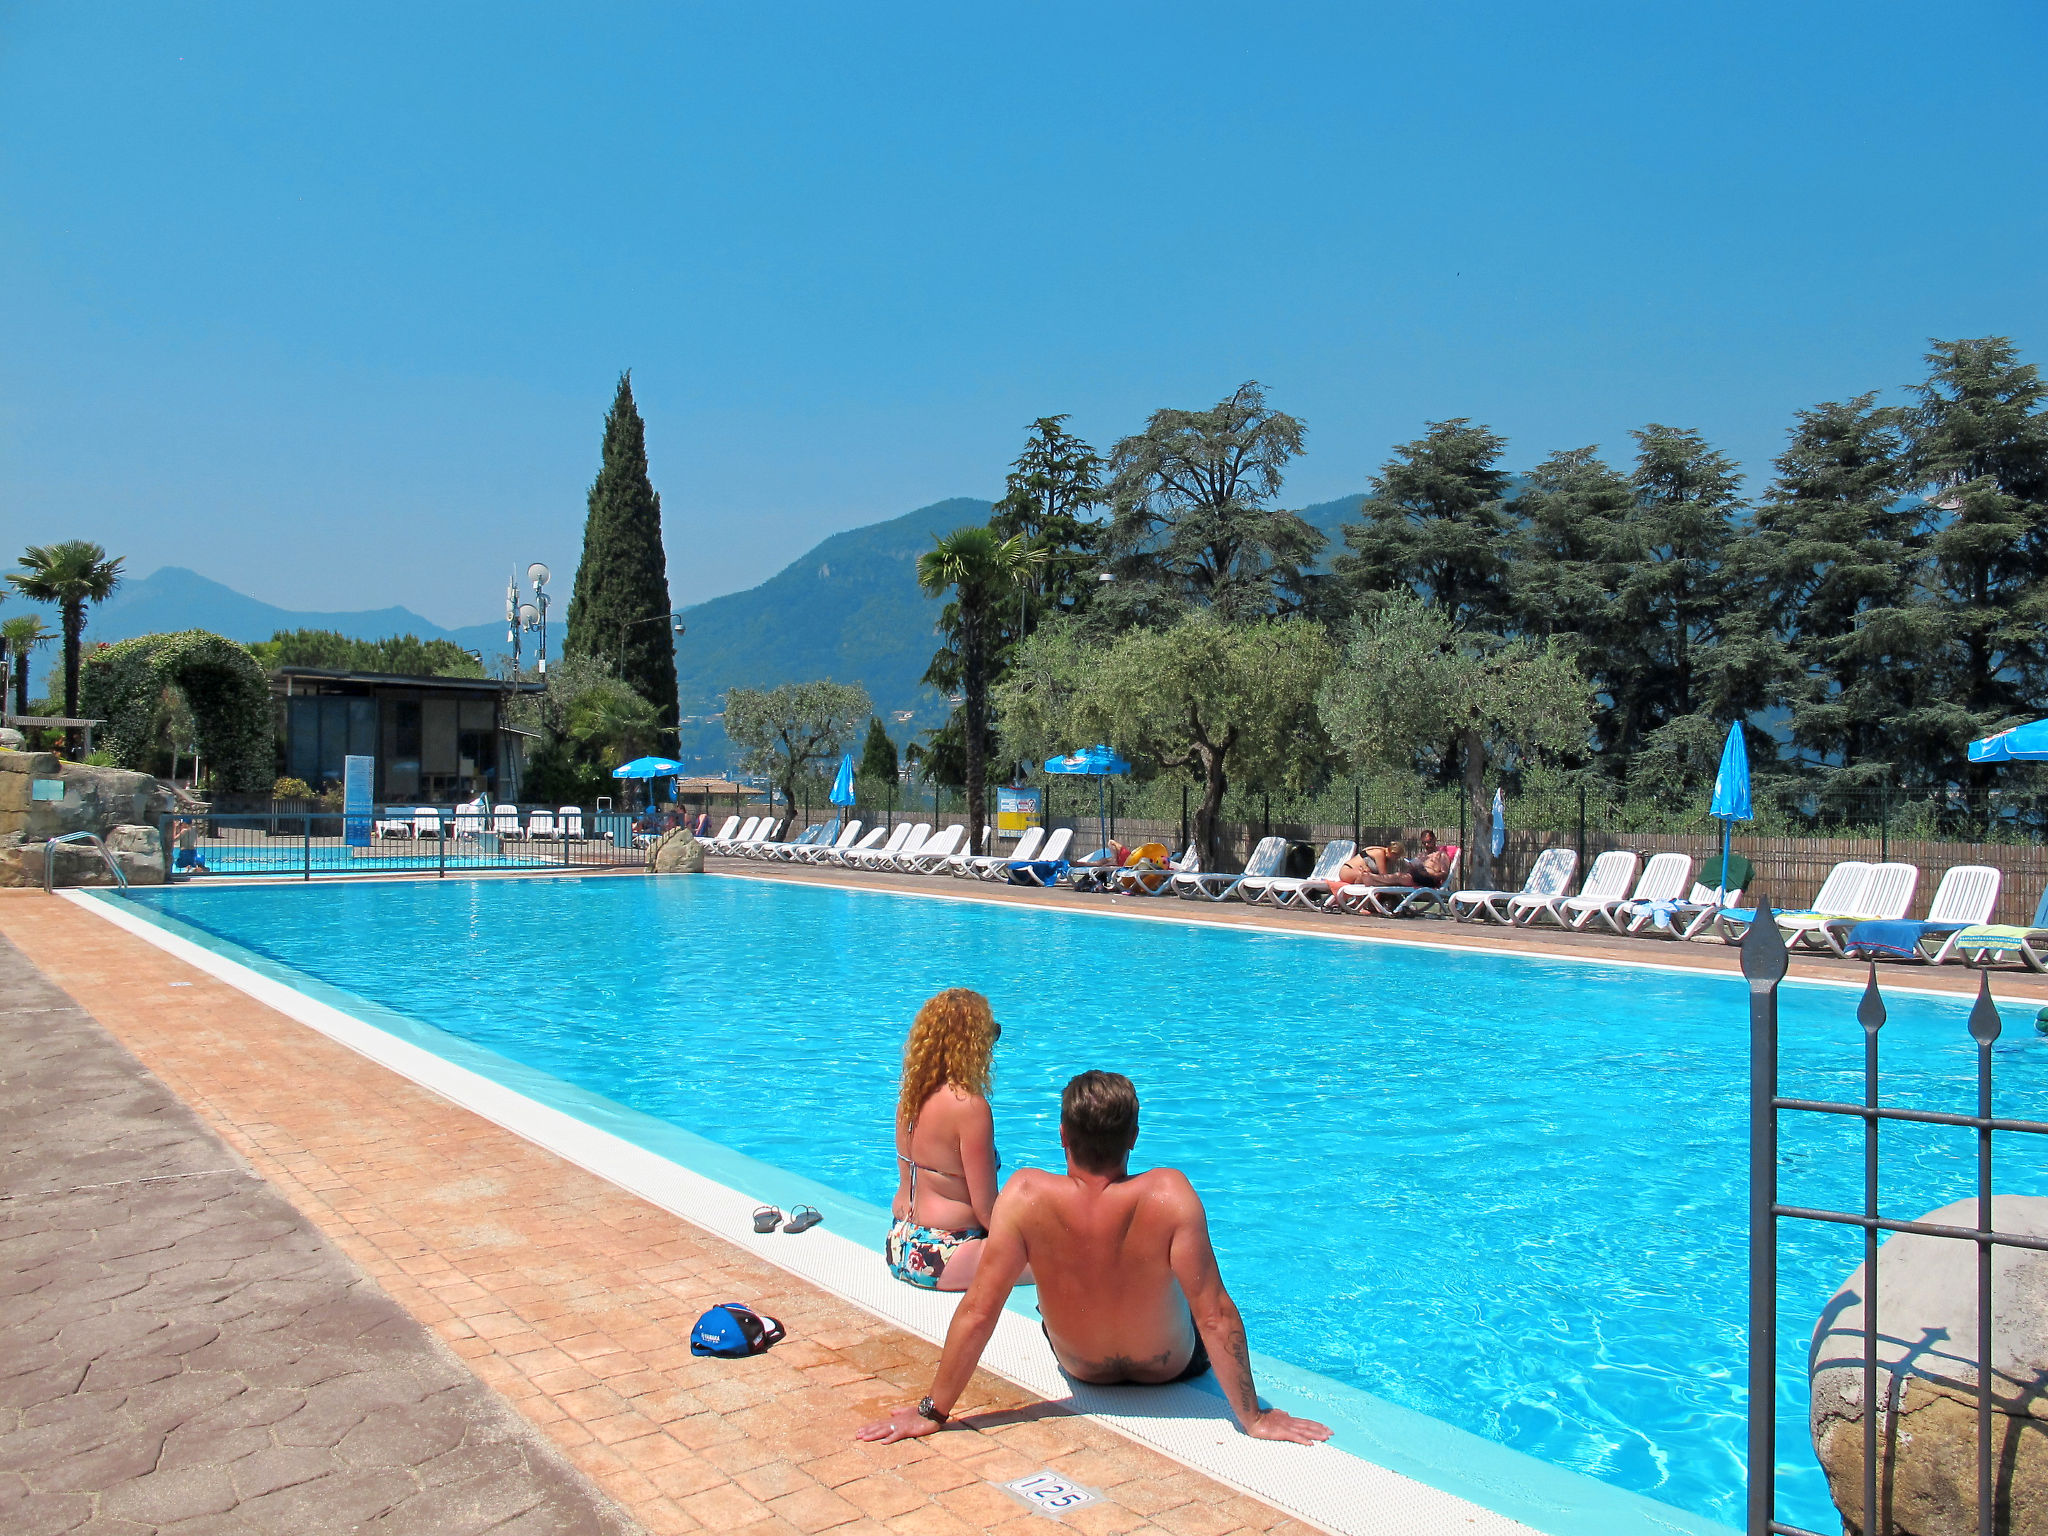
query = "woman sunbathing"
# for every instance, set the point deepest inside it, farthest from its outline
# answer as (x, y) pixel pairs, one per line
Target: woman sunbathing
(945, 1143)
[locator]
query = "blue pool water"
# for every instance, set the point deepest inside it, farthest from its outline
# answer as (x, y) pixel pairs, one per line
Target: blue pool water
(1504, 1192)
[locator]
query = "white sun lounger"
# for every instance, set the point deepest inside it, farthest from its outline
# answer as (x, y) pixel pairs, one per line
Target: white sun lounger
(717, 840)
(1690, 917)
(1052, 851)
(426, 821)
(1549, 876)
(1397, 900)
(469, 819)
(1608, 880)
(505, 820)
(1841, 894)
(842, 857)
(977, 866)
(931, 858)
(958, 861)
(907, 838)
(1657, 891)
(1315, 888)
(764, 832)
(1888, 898)
(817, 834)
(393, 826)
(540, 823)
(1966, 898)
(570, 819)
(729, 837)
(849, 836)
(1264, 863)
(1159, 882)
(1982, 943)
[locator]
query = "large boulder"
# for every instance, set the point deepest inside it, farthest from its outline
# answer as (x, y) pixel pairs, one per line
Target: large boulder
(138, 850)
(94, 800)
(1927, 1380)
(676, 853)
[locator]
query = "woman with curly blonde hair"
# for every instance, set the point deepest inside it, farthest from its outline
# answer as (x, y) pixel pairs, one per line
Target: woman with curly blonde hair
(945, 1143)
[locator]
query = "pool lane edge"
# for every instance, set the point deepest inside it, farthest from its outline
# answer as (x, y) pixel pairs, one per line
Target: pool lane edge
(1493, 1488)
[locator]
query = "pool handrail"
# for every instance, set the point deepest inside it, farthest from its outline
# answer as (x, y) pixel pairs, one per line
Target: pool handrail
(50, 859)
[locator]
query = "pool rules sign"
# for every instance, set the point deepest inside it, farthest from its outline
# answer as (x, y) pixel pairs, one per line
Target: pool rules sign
(358, 780)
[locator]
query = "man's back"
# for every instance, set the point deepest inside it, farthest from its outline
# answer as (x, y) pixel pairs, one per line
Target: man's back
(1103, 1257)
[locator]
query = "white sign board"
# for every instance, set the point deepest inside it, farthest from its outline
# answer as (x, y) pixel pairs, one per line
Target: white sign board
(1053, 1494)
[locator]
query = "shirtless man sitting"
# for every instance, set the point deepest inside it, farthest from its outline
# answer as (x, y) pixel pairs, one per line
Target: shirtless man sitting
(1127, 1283)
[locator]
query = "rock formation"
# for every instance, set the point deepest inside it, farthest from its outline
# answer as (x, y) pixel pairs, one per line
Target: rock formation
(121, 807)
(1927, 1381)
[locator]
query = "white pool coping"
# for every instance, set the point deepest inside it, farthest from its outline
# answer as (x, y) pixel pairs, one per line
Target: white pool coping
(1324, 1486)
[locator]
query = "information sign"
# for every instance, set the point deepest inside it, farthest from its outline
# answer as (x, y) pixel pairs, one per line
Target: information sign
(1017, 809)
(358, 781)
(47, 789)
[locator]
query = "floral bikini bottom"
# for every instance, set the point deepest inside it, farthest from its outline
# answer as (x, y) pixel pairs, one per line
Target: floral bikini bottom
(919, 1255)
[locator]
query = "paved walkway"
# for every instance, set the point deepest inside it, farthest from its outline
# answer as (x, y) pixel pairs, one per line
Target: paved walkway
(573, 1299)
(181, 1351)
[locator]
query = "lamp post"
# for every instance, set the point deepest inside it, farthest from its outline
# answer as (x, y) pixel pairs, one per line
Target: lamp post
(675, 624)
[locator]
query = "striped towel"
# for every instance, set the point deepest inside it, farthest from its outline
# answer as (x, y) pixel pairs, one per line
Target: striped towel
(2000, 940)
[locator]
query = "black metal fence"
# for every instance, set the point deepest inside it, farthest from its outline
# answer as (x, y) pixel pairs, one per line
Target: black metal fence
(1764, 961)
(303, 844)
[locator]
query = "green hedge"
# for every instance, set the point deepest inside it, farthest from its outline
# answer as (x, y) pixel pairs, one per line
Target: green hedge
(226, 688)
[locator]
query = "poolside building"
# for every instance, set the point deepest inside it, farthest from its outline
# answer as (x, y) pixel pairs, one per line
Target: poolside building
(436, 740)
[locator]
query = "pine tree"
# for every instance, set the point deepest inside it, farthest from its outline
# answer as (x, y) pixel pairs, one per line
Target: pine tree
(1054, 489)
(619, 610)
(1192, 527)
(1676, 628)
(1833, 567)
(1435, 524)
(1980, 447)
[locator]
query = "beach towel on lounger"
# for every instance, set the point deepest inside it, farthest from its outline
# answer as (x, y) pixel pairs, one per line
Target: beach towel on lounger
(1898, 938)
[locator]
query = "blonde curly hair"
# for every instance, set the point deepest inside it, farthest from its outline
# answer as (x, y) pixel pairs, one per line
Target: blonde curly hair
(952, 1041)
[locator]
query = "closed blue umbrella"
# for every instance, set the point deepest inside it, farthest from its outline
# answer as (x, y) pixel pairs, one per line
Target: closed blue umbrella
(1731, 792)
(842, 787)
(2021, 744)
(1096, 762)
(1500, 821)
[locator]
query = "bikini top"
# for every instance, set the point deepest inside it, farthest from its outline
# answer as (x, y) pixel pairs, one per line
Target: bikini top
(917, 1167)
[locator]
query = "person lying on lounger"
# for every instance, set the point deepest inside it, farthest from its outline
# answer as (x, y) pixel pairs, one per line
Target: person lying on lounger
(1127, 1283)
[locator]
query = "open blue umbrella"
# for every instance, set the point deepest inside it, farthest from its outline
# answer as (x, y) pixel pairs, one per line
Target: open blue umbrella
(649, 768)
(1097, 762)
(842, 787)
(2022, 744)
(1731, 792)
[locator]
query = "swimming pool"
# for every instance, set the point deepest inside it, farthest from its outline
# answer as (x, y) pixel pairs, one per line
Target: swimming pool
(1504, 1192)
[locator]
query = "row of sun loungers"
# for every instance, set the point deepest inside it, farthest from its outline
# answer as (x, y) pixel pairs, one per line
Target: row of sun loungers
(473, 821)
(1859, 910)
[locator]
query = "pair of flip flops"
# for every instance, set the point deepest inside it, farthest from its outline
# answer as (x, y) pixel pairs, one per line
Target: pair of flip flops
(802, 1219)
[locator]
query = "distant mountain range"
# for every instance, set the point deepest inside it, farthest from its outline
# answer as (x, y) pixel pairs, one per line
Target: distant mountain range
(849, 609)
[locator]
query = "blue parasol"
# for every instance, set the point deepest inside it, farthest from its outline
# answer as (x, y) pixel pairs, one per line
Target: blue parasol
(649, 768)
(2022, 744)
(1096, 762)
(1731, 792)
(1500, 822)
(842, 787)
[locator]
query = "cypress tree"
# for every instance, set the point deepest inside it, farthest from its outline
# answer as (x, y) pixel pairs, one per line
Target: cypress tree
(878, 753)
(618, 611)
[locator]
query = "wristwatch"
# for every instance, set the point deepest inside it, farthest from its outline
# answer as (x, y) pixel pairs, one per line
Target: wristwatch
(927, 1409)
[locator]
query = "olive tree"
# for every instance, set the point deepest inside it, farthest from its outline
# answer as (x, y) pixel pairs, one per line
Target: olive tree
(1410, 682)
(785, 730)
(1225, 702)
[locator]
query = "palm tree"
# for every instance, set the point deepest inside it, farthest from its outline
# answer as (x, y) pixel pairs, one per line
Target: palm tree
(19, 637)
(70, 574)
(984, 570)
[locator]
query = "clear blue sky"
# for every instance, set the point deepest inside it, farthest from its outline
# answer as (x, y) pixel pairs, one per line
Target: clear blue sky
(329, 306)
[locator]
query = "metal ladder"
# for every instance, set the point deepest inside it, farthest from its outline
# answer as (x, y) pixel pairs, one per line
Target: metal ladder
(50, 859)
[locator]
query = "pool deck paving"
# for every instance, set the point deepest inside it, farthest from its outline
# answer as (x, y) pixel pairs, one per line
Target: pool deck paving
(435, 1233)
(182, 1351)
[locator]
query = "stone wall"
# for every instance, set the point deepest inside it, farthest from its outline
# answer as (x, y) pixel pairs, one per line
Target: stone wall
(121, 807)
